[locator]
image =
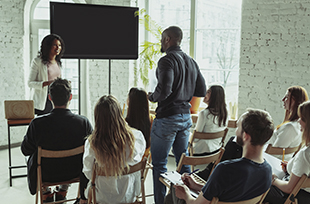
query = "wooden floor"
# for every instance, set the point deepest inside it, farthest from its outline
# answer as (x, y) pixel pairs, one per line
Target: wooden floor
(19, 192)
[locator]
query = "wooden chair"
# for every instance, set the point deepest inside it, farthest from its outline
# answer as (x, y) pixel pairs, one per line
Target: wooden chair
(196, 160)
(42, 153)
(304, 182)
(257, 200)
(137, 167)
(279, 150)
(206, 136)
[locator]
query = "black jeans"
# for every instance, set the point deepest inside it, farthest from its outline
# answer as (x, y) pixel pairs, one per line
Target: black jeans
(276, 196)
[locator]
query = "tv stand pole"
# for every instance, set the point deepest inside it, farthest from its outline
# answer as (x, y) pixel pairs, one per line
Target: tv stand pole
(109, 76)
(79, 84)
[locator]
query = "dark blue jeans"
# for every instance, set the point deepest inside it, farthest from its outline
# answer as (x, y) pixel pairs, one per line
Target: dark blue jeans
(172, 131)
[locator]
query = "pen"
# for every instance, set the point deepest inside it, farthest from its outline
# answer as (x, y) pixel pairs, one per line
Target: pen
(283, 154)
(193, 172)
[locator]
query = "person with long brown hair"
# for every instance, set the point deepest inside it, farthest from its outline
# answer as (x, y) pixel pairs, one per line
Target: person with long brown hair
(287, 134)
(212, 119)
(138, 114)
(114, 146)
(296, 167)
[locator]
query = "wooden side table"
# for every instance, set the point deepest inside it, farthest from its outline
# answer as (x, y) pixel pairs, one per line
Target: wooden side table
(17, 113)
(14, 123)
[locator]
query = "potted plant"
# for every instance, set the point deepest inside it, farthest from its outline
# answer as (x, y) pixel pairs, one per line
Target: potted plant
(150, 53)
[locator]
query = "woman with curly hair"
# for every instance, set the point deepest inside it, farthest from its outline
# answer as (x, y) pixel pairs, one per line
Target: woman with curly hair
(44, 70)
(113, 145)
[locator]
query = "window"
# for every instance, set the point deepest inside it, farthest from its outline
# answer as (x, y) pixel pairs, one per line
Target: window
(216, 44)
(39, 29)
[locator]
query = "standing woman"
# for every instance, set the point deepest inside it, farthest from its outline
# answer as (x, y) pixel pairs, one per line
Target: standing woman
(288, 133)
(114, 146)
(211, 119)
(44, 70)
(138, 114)
(296, 167)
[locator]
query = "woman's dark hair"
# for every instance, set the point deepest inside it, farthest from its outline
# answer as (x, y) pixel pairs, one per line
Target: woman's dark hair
(300, 95)
(138, 114)
(46, 46)
(217, 104)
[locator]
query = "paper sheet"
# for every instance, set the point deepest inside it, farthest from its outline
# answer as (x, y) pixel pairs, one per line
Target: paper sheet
(174, 177)
(275, 164)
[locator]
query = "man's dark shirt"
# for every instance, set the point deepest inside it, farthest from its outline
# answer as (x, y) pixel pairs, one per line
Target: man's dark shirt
(179, 79)
(58, 130)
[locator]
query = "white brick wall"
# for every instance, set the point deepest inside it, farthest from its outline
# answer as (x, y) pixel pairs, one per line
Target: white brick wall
(11, 62)
(275, 44)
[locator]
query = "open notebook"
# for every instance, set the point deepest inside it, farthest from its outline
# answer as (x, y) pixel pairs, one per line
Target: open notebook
(275, 164)
(174, 177)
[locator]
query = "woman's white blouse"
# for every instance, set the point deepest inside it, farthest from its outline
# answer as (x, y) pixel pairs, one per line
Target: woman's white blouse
(300, 164)
(205, 124)
(111, 189)
(288, 135)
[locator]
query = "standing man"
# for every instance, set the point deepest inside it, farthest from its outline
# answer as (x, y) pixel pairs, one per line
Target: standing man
(58, 130)
(179, 79)
(237, 179)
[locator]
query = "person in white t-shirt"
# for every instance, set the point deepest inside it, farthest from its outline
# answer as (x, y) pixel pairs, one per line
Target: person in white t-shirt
(113, 145)
(296, 167)
(288, 134)
(212, 119)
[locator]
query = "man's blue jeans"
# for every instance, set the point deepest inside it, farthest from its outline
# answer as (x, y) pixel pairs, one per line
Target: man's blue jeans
(172, 131)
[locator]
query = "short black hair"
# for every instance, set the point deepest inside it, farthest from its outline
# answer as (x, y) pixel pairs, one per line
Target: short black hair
(259, 125)
(60, 91)
(175, 32)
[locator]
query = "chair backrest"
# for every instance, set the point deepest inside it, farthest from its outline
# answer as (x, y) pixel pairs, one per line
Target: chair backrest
(198, 160)
(58, 154)
(304, 182)
(206, 136)
(279, 150)
(132, 169)
(19, 109)
(257, 200)
(42, 153)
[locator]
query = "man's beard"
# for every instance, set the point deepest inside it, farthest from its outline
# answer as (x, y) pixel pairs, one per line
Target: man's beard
(162, 50)
(239, 141)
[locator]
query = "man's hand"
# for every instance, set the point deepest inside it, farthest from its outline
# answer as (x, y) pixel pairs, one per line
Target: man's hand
(190, 182)
(182, 192)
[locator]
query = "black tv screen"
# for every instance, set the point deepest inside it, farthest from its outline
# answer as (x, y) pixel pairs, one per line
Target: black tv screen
(96, 31)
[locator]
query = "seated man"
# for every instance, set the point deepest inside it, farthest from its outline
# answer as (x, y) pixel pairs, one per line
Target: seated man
(237, 179)
(58, 130)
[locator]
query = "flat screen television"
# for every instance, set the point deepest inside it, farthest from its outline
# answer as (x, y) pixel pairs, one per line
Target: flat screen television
(96, 31)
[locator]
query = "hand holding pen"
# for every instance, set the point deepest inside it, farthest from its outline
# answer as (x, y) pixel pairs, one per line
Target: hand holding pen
(187, 179)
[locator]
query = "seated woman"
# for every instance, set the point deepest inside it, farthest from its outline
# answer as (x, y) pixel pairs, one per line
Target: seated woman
(296, 167)
(114, 146)
(288, 134)
(138, 114)
(212, 119)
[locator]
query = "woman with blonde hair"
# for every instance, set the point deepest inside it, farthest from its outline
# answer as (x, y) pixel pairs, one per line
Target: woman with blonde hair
(288, 134)
(114, 146)
(296, 167)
